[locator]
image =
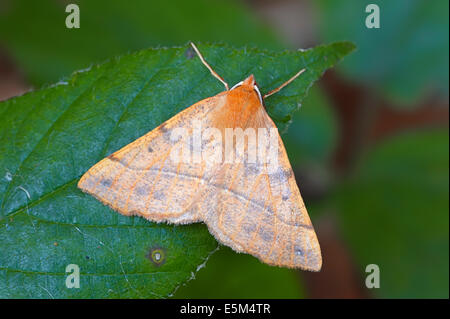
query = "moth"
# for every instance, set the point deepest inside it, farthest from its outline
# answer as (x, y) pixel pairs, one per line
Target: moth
(249, 201)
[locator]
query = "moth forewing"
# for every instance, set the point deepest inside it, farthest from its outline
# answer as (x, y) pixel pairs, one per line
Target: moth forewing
(222, 162)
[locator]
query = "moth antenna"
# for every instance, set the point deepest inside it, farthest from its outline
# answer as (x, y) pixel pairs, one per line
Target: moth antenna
(284, 84)
(214, 73)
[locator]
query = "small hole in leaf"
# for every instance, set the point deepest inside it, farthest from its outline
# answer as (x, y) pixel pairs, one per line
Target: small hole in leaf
(157, 256)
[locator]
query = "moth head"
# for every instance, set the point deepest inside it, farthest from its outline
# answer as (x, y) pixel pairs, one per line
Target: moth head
(249, 84)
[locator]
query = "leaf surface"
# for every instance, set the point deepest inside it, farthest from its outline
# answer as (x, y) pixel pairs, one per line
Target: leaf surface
(50, 137)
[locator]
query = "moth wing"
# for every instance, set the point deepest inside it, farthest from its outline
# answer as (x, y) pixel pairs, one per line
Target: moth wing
(259, 211)
(143, 179)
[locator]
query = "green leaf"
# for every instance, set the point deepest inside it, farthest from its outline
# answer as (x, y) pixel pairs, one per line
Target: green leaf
(242, 276)
(405, 58)
(35, 32)
(313, 131)
(394, 213)
(49, 138)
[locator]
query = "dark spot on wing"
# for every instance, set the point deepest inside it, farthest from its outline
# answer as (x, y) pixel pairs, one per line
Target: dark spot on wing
(106, 182)
(163, 128)
(166, 133)
(281, 175)
(298, 251)
(150, 149)
(287, 173)
(112, 157)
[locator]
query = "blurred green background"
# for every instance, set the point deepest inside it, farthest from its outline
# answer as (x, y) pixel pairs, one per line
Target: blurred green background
(369, 146)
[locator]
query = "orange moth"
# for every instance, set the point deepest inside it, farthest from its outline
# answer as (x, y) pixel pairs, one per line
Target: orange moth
(221, 161)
